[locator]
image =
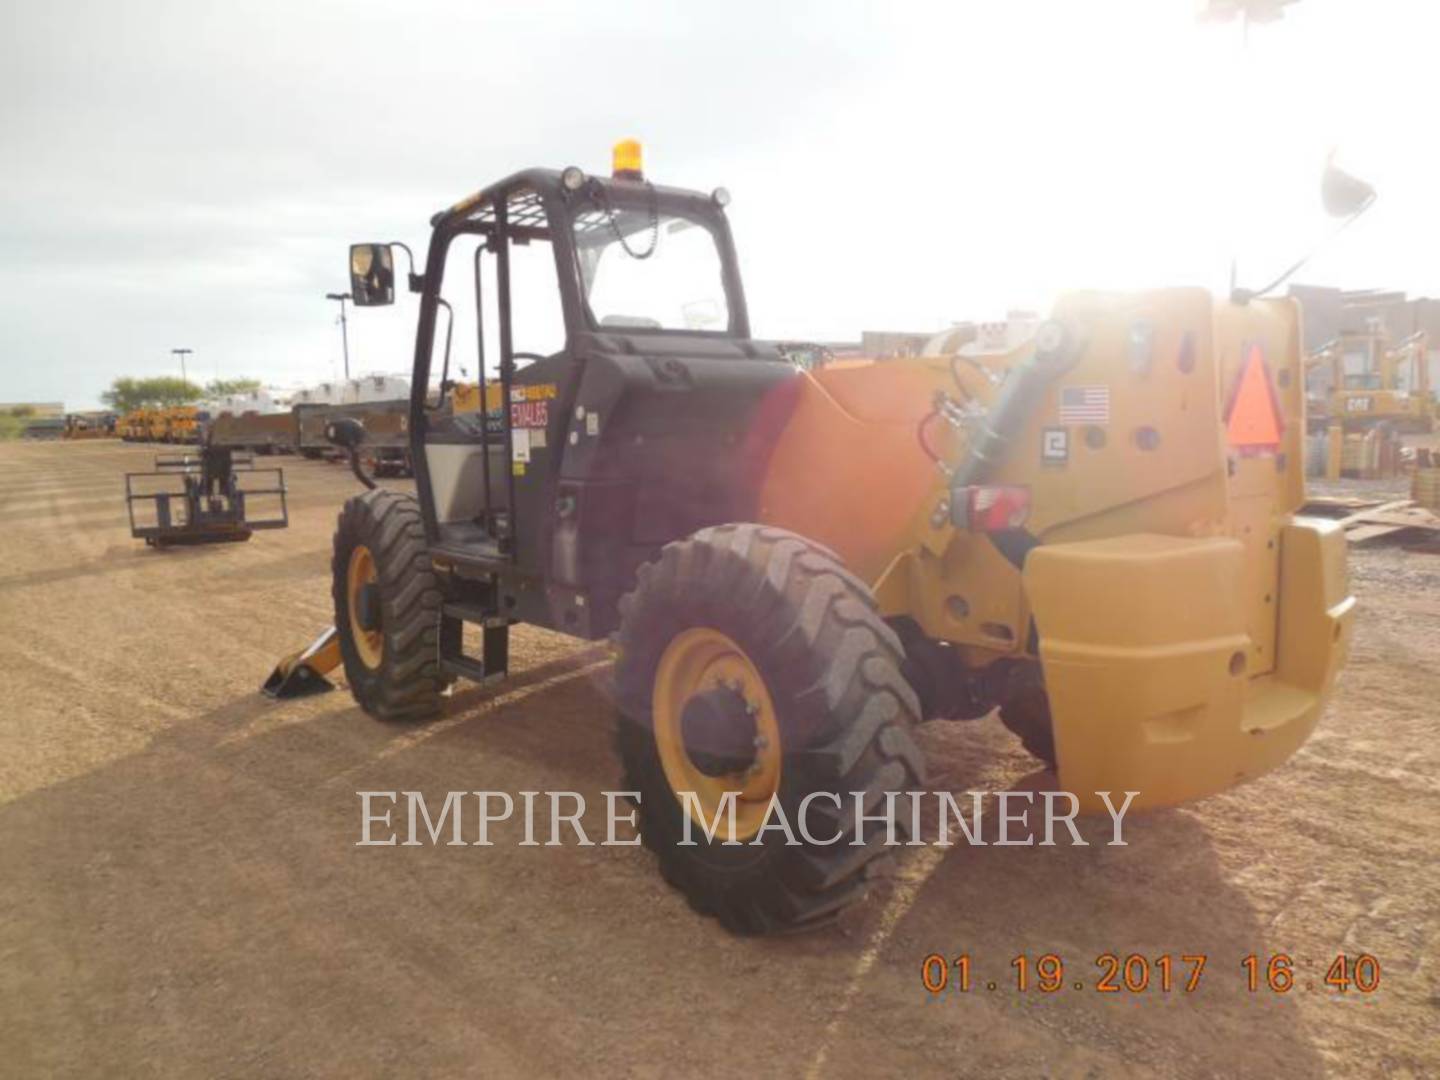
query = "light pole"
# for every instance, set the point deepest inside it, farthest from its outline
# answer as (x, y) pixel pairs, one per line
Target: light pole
(344, 335)
(182, 353)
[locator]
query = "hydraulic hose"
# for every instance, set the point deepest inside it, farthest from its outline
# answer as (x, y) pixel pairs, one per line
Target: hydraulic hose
(1057, 349)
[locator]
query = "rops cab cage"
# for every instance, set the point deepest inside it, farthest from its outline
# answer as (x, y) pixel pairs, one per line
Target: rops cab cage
(199, 498)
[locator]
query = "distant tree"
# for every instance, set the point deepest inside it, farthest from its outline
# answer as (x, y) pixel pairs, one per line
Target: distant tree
(166, 390)
(123, 395)
(159, 392)
(22, 411)
(222, 387)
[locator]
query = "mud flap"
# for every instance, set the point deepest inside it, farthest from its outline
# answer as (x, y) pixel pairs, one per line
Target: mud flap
(303, 673)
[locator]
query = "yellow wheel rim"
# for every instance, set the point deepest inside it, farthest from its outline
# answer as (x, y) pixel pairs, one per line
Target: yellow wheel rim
(696, 661)
(370, 644)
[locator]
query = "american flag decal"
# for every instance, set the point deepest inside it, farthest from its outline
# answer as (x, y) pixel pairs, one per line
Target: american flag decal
(1084, 404)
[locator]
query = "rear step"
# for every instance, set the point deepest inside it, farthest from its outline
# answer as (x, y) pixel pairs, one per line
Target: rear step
(474, 613)
(494, 661)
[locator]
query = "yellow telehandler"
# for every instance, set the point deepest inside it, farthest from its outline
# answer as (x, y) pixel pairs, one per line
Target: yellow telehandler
(1094, 530)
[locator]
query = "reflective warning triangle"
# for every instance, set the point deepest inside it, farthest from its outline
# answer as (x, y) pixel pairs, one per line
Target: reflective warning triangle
(1253, 420)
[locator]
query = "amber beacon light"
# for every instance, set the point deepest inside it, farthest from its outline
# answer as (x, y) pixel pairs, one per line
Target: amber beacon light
(627, 160)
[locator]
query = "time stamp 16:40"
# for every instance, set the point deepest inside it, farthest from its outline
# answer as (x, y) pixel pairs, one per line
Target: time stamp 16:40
(1182, 973)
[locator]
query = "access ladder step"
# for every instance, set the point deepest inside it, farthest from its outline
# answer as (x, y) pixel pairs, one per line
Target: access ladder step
(469, 668)
(494, 661)
(476, 614)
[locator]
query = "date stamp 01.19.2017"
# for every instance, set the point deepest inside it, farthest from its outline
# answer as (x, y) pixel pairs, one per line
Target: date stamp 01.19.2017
(943, 975)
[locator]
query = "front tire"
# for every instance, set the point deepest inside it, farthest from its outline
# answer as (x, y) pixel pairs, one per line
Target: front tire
(762, 623)
(387, 606)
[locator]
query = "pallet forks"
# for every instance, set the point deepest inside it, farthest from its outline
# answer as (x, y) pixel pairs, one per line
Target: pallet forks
(202, 500)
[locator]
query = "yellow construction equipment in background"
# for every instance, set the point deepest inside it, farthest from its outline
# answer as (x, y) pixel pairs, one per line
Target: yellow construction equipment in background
(1425, 482)
(1359, 380)
(132, 426)
(180, 424)
(154, 425)
(174, 424)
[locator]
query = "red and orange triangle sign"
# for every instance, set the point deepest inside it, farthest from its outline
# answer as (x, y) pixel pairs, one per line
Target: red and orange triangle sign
(1253, 421)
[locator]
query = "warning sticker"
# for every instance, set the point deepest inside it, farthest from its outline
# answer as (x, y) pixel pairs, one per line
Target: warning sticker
(520, 445)
(1253, 422)
(538, 392)
(530, 414)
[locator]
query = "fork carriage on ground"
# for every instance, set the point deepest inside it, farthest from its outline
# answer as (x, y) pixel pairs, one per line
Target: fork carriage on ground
(1093, 530)
(203, 498)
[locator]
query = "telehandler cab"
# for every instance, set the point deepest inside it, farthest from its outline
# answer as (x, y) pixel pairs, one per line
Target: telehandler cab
(1093, 531)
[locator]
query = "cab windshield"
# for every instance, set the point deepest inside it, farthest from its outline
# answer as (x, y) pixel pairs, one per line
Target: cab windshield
(646, 268)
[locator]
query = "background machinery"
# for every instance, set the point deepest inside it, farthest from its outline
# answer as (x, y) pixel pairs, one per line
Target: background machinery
(91, 425)
(259, 423)
(1364, 394)
(1092, 527)
(1360, 379)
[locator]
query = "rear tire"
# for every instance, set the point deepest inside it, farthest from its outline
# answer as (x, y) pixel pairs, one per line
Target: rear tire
(831, 669)
(394, 667)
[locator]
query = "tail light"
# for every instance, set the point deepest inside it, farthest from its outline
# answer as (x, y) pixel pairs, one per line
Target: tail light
(991, 507)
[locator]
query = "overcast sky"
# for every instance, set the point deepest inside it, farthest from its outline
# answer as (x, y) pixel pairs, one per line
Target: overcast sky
(190, 173)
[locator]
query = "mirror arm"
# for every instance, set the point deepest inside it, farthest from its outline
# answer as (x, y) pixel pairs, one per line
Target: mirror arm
(348, 433)
(417, 281)
(355, 467)
(1244, 296)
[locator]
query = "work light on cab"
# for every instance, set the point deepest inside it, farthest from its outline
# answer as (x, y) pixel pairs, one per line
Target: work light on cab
(627, 160)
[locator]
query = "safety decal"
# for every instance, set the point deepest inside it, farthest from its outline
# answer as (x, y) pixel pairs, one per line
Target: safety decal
(1254, 423)
(1054, 446)
(520, 445)
(530, 414)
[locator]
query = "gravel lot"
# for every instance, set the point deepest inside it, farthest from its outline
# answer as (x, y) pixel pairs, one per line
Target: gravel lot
(181, 894)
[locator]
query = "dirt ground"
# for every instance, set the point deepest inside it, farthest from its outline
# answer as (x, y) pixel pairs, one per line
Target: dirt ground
(181, 894)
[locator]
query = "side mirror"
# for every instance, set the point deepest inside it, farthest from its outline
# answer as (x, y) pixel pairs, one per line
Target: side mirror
(1344, 196)
(372, 274)
(345, 432)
